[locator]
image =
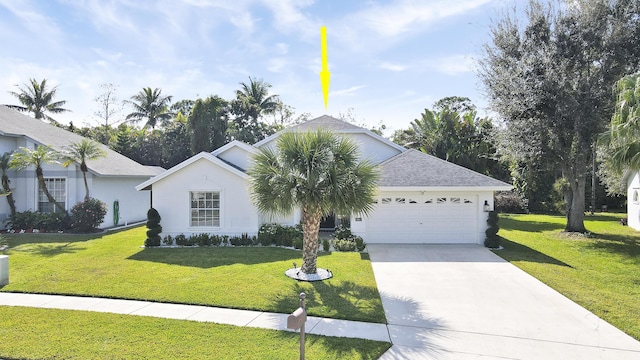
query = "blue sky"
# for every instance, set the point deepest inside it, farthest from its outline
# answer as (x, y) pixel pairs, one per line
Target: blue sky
(388, 59)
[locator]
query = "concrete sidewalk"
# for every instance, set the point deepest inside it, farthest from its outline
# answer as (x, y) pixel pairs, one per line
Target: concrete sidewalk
(257, 319)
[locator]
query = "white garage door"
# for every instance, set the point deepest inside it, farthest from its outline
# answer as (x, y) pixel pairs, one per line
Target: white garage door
(443, 218)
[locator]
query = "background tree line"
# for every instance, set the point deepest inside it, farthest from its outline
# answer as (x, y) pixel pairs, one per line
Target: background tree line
(172, 131)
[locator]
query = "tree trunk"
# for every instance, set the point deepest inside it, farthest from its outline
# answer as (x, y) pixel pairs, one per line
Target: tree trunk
(43, 186)
(575, 212)
(7, 190)
(86, 186)
(310, 228)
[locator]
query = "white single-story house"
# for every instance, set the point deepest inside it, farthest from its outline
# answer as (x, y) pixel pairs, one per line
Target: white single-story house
(420, 199)
(633, 199)
(111, 178)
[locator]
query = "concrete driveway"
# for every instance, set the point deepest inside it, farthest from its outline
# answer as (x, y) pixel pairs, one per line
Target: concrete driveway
(464, 302)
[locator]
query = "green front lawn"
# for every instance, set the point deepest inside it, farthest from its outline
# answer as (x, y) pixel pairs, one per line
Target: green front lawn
(601, 271)
(29, 333)
(115, 265)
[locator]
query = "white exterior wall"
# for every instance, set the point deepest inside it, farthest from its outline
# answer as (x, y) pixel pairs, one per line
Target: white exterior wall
(476, 233)
(133, 204)
(171, 198)
(237, 156)
(633, 201)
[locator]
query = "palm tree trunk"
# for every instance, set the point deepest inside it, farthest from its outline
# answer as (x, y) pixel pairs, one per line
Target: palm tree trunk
(86, 186)
(43, 186)
(7, 190)
(310, 227)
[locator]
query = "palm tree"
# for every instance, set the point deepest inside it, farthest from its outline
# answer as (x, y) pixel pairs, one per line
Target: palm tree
(4, 167)
(317, 171)
(151, 105)
(81, 152)
(35, 98)
(26, 157)
(251, 102)
(255, 99)
(623, 137)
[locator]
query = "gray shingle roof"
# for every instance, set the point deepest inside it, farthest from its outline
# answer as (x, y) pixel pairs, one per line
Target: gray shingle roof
(324, 122)
(413, 168)
(13, 123)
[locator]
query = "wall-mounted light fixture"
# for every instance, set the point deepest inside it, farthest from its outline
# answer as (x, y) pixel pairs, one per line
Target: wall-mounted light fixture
(486, 207)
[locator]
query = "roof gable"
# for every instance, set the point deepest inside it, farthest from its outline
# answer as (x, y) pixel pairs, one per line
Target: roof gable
(329, 123)
(413, 168)
(15, 124)
(203, 155)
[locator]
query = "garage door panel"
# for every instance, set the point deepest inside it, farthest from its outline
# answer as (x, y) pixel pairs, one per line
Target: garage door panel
(430, 219)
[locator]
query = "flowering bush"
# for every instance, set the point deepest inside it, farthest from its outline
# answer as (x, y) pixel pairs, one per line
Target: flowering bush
(86, 216)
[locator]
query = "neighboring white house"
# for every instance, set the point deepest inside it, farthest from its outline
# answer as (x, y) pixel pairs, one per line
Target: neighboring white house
(110, 178)
(633, 199)
(420, 199)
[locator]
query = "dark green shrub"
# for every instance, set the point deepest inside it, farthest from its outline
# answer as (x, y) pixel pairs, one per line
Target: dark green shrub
(182, 240)
(326, 245)
(86, 216)
(24, 220)
(154, 228)
(267, 234)
(509, 202)
(215, 240)
(55, 222)
(360, 244)
(246, 240)
(167, 240)
(297, 243)
(235, 240)
(492, 239)
(276, 234)
(202, 239)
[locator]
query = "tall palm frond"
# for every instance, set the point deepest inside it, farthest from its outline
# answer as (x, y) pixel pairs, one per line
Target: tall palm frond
(151, 105)
(80, 153)
(37, 157)
(35, 98)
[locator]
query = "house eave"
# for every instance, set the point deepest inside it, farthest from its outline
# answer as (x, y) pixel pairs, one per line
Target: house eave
(445, 188)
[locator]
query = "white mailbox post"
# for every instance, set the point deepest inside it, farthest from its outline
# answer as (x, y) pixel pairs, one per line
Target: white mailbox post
(296, 321)
(4, 270)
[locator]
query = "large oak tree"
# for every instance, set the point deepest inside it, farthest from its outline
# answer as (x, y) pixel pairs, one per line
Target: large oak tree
(550, 77)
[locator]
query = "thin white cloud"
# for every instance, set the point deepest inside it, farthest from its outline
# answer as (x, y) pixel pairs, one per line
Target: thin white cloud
(346, 92)
(381, 26)
(108, 16)
(289, 17)
(392, 67)
(243, 21)
(400, 17)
